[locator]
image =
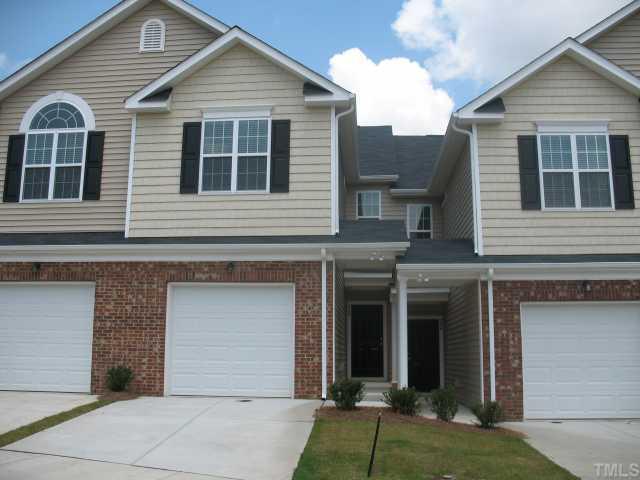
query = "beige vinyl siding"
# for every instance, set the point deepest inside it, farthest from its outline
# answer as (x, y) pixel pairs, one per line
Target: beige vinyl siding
(621, 45)
(103, 73)
(564, 90)
(462, 344)
(238, 77)
(457, 207)
(393, 208)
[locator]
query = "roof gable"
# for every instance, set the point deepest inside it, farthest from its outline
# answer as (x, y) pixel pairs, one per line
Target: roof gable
(609, 23)
(90, 32)
(473, 112)
(236, 36)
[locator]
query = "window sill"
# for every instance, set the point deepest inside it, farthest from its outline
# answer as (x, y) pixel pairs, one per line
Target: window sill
(55, 200)
(238, 192)
(368, 218)
(578, 210)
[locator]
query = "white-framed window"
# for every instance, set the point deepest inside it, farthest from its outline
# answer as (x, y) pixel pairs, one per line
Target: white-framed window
(235, 155)
(54, 154)
(368, 204)
(575, 170)
(419, 221)
(152, 35)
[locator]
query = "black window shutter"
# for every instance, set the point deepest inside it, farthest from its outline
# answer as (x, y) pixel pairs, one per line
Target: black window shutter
(13, 169)
(622, 178)
(529, 176)
(189, 169)
(93, 166)
(280, 146)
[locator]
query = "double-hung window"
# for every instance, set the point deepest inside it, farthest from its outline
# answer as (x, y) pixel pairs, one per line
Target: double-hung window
(575, 171)
(368, 204)
(54, 156)
(419, 221)
(235, 155)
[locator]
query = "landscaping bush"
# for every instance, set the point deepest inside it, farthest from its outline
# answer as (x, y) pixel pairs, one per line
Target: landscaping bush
(444, 404)
(488, 414)
(119, 378)
(346, 393)
(403, 401)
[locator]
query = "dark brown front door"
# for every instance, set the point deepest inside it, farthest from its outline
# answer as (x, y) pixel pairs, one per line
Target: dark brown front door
(367, 346)
(424, 355)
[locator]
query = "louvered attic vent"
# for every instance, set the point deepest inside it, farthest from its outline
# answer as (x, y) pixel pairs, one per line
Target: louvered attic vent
(152, 36)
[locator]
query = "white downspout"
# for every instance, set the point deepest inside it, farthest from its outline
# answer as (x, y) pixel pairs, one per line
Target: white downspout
(323, 254)
(335, 166)
(492, 345)
(132, 159)
(475, 184)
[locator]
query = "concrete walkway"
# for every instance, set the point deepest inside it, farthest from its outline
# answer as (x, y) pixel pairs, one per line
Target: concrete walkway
(22, 408)
(230, 438)
(584, 446)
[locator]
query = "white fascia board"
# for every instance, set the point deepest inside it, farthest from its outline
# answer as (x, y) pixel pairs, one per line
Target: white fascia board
(577, 52)
(484, 118)
(610, 22)
(378, 179)
(375, 275)
(193, 252)
(526, 271)
(216, 48)
(408, 192)
(90, 32)
(329, 100)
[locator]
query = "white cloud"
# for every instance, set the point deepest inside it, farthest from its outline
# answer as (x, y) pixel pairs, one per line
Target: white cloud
(7, 66)
(487, 40)
(4, 60)
(395, 91)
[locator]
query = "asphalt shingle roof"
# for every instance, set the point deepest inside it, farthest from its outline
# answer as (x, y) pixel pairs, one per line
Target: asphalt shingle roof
(411, 157)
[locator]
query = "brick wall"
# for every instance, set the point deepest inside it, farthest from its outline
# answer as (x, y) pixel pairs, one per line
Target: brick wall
(507, 297)
(130, 311)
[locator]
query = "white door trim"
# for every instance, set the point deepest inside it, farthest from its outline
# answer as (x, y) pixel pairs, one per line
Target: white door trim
(170, 324)
(384, 338)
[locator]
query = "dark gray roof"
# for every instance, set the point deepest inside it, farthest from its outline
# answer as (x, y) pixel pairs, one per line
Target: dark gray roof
(461, 251)
(361, 231)
(376, 151)
(415, 159)
(494, 106)
(411, 157)
(309, 88)
(160, 96)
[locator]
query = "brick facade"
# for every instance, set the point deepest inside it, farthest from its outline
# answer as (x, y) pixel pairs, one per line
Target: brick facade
(130, 311)
(507, 297)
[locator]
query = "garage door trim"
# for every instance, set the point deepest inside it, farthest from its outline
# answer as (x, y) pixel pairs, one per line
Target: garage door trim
(92, 302)
(554, 303)
(170, 324)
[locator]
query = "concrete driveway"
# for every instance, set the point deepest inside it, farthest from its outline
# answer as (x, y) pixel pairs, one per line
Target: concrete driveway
(21, 408)
(584, 446)
(223, 437)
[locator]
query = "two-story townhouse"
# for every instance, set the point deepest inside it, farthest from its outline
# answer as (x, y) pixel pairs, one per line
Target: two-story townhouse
(183, 198)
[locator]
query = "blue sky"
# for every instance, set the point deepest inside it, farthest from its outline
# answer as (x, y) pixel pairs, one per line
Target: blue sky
(445, 52)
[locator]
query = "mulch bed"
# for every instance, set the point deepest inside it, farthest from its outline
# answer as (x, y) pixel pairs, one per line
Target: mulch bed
(371, 414)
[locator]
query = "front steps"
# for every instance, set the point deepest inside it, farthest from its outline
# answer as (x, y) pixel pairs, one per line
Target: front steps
(373, 391)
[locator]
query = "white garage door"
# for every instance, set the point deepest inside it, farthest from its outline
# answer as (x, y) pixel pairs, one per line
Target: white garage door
(230, 340)
(45, 337)
(581, 360)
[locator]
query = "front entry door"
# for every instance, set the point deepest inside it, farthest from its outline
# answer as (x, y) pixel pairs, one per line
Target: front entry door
(367, 341)
(424, 355)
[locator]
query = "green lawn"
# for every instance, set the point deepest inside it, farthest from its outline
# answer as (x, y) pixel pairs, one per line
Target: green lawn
(48, 422)
(339, 449)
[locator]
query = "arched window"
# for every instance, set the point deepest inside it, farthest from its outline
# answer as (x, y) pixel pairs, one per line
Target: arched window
(152, 36)
(54, 156)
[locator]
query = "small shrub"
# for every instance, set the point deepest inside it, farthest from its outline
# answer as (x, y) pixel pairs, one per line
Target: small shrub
(488, 414)
(119, 378)
(403, 401)
(444, 404)
(346, 393)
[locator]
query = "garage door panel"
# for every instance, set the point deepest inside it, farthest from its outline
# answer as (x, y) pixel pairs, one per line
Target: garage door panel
(231, 340)
(581, 360)
(45, 336)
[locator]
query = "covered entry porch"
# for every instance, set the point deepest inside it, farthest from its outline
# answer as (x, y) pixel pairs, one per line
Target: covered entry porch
(408, 327)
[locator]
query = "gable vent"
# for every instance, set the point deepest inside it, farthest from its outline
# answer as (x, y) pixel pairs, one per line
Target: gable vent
(152, 36)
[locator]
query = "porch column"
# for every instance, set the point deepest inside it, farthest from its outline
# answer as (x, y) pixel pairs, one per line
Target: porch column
(394, 339)
(403, 350)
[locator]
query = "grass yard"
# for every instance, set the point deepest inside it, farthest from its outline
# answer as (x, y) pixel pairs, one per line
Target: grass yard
(51, 421)
(339, 448)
